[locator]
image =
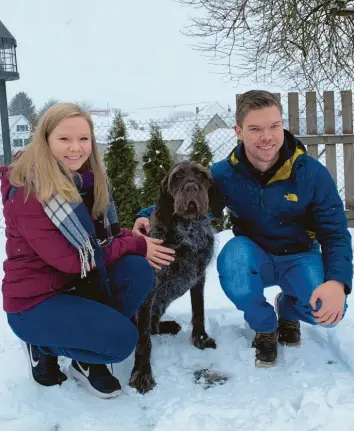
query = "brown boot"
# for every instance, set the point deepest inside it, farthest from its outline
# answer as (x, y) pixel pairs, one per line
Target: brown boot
(265, 344)
(289, 331)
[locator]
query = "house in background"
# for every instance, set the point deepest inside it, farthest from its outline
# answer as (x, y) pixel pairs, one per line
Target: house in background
(176, 127)
(20, 130)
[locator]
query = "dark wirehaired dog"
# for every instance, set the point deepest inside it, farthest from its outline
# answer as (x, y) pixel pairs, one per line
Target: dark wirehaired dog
(180, 219)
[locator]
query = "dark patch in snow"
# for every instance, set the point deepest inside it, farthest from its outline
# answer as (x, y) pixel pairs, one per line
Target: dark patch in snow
(208, 378)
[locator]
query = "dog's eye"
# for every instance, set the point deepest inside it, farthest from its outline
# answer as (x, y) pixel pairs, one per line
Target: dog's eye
(201, 176)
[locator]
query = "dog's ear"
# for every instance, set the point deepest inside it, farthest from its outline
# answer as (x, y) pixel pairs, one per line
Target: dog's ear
(215, 200)
(164, 208)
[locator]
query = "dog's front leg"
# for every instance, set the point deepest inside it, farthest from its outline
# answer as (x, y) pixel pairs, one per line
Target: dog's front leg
(199, 337)
(142, 377)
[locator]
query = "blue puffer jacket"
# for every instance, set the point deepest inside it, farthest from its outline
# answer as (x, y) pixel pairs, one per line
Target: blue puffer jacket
(299, 204)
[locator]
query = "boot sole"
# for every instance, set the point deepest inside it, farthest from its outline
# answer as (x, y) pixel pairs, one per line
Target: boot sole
(262, 364)
(283, 343)
(76, 375)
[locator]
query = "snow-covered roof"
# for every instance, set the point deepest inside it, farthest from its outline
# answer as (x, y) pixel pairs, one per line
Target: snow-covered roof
(165, 112)
(172, 128)
(212, 108)
(13, 120)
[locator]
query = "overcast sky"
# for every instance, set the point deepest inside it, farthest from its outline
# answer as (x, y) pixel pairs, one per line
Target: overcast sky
(124, 54)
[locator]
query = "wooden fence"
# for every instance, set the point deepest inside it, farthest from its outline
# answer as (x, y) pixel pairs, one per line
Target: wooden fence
(329, 138)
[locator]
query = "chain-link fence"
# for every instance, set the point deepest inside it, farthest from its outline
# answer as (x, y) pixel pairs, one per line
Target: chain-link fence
(218, 127)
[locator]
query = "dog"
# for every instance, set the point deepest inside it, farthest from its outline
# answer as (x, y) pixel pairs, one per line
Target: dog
(181, 220)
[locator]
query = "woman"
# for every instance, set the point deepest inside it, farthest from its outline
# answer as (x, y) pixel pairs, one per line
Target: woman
(73, 278)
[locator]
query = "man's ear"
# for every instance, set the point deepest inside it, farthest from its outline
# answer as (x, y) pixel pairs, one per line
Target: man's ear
(238, 131)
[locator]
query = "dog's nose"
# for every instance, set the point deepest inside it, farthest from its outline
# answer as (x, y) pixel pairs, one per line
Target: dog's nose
(191, 187)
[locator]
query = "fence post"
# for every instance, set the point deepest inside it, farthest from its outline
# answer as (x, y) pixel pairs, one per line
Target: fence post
(293, 114)
(347, 115)
(329, 129)
(311, 119)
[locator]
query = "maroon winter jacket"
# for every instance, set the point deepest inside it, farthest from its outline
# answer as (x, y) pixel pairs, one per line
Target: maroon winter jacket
(40, 260)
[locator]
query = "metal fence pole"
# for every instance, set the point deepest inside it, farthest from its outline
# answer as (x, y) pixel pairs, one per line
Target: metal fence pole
(5, 123)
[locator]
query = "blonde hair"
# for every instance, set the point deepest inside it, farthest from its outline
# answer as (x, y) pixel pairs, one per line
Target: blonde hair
(40, 173)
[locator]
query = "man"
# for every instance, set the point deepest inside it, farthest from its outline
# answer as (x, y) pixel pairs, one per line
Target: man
(284, 204)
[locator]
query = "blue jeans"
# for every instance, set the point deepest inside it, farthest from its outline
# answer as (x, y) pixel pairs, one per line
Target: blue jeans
(86, 330)
(245, 269)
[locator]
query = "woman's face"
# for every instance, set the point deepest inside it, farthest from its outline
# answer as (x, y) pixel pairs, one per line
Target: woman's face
(70, 142)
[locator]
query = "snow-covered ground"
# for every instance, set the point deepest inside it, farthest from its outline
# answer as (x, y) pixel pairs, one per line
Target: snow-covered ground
(311, 387)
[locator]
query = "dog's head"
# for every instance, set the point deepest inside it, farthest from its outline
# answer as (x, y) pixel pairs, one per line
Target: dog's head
(187, 192)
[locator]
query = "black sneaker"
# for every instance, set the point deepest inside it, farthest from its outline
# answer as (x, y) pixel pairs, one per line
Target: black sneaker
(265, 344)
(289, 331)
(43, 368)
(96, 378)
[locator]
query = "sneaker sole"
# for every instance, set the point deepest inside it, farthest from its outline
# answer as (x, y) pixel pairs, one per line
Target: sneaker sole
(29, 366)
(262, 364)
(76, 375)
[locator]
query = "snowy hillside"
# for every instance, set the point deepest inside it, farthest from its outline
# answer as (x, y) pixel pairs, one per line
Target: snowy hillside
(310, 389)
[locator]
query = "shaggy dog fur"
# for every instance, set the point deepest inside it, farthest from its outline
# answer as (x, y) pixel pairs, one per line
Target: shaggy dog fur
(180, 219)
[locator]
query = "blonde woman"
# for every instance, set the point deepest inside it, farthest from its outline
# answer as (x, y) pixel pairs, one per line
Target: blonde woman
(73, 279)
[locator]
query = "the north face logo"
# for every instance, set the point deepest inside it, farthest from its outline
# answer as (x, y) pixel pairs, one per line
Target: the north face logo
(291, 197)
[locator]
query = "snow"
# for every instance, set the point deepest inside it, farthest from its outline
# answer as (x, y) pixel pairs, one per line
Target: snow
(310, 389)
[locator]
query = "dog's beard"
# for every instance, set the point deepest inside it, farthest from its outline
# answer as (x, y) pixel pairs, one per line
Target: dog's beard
(191, 207)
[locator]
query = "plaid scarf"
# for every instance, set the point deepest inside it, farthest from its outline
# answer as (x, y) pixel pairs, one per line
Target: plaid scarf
(74, 222)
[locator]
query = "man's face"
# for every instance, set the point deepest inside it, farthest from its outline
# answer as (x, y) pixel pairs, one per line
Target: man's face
(263, 135)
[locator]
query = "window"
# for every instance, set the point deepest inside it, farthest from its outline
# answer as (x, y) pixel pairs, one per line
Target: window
(18, 142)
(25, 142)
(22, 128)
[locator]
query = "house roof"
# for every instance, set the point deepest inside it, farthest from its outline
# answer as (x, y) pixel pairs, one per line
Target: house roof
(172, 128)
(212, 108)
(173, 112)
(13, 120)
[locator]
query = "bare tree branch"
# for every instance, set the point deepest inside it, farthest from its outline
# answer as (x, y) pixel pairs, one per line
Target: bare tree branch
(305, 44)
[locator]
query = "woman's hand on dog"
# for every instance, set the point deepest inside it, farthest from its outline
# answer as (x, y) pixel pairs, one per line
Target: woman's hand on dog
(158, 255)
(141, 227)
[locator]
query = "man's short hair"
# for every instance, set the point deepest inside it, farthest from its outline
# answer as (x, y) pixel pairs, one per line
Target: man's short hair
(255, 99)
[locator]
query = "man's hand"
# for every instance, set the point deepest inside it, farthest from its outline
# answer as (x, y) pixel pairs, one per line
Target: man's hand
(141, 227)
(332, 295)
(157, 254)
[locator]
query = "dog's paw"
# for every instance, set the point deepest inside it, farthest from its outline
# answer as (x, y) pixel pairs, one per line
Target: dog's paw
(203, 341)
(142, 381)
(166, 327)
